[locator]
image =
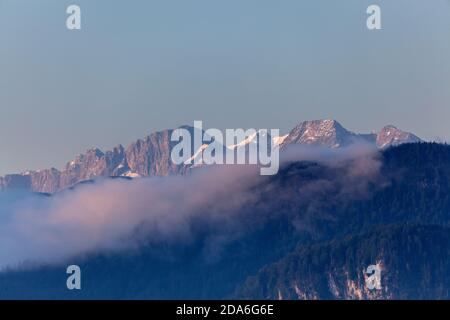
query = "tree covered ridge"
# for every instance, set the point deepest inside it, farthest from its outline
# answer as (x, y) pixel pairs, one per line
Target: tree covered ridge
(414, 260)
(334, 222)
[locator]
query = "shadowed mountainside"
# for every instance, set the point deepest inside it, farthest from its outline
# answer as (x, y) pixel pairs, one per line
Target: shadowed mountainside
(319, 221)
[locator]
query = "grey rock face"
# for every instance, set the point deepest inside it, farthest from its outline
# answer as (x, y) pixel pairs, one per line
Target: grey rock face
(331, 134)
(94, 163)
(150, 156)
(391, 136)
(47, 181)
(323, 133)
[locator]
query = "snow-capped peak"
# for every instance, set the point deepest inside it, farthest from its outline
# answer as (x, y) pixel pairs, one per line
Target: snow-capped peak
(198, 153)
(279, 140)
(391, 136)
(325, 132)
(253, 138)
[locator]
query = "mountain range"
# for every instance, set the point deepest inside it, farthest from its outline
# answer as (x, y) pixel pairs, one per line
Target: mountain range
(150, 156)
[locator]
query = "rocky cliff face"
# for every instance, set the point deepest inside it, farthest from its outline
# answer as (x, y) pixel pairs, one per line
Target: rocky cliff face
(391, 136)
(331, 134)
(47, 181)
(151, 156)
(323, 133)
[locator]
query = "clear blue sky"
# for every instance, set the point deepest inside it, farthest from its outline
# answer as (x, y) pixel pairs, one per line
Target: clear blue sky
(141, 65)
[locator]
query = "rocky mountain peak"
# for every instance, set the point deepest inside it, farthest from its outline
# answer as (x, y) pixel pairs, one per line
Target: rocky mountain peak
(391, 136)
(327, 133)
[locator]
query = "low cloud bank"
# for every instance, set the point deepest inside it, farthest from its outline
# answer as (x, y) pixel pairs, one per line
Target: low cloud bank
(115, 214)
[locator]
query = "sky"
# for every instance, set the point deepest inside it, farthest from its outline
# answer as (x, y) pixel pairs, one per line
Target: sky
(144, 65)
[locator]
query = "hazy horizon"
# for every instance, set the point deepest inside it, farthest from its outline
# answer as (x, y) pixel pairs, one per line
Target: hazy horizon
(138, 68)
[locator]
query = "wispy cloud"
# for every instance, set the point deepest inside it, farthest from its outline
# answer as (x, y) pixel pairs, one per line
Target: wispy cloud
(107, 214)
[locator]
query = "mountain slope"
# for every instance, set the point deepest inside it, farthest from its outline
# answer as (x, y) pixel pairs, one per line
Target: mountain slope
(391, 136)
(324, 133)
(414, 263)
(307, 205)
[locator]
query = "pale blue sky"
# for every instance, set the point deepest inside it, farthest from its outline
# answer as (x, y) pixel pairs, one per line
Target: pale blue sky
(141, 65)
